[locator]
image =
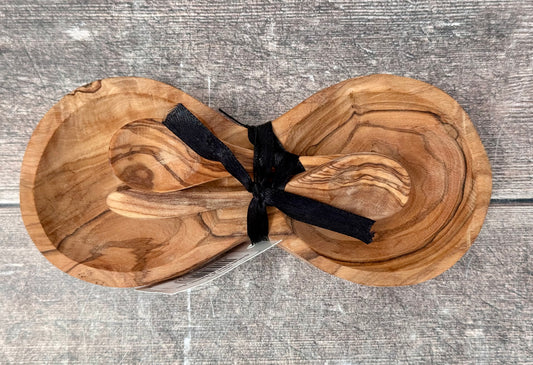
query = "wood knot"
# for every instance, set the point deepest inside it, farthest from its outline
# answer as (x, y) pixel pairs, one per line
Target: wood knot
(139, 176)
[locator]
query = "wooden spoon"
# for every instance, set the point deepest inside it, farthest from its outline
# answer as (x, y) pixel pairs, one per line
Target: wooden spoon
(368, 184)
(145, 155)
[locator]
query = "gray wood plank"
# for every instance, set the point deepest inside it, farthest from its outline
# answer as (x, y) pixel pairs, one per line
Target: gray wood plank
(257, 60)
(276, 309)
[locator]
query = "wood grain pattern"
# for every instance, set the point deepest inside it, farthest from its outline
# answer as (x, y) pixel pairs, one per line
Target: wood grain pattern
(366, 184)
(67, 177)
(145, 155)
(437, 150)
(431, 136)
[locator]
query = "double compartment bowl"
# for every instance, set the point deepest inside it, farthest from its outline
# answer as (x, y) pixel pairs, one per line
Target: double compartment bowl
(427, 215)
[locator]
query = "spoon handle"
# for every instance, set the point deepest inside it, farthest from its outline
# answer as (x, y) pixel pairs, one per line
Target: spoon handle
(146, 204)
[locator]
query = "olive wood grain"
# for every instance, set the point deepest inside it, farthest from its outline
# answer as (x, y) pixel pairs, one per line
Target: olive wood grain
(67, 176)
(377, 185)
(146, 155)
(431, 136)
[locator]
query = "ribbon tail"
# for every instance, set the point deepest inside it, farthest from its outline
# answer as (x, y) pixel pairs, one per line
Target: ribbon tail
(197, 136)
(322, 215)
(257, 221)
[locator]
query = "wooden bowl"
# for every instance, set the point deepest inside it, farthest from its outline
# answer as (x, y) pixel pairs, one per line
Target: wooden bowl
(66, 177)
(432, 138)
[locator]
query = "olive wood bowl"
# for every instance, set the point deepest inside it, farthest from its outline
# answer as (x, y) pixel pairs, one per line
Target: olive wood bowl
(67, 175)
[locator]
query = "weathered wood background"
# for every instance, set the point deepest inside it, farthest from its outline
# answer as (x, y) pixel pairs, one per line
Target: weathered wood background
(257, 60)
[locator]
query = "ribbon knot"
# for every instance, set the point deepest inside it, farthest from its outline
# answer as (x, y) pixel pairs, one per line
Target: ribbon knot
(273, 168)
(258, 191)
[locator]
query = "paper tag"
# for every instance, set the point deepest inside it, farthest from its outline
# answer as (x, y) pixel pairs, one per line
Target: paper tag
(215, 269)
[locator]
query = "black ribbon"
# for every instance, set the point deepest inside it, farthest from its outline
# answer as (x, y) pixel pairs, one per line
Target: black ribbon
(273, 168)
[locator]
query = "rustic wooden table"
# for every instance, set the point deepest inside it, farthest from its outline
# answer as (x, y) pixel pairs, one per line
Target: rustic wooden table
(257, 61)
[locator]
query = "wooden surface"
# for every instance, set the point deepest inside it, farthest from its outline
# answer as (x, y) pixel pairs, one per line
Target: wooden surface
(256, 62)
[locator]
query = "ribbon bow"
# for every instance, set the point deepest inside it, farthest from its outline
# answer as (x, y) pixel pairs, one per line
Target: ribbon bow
(273, 168)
